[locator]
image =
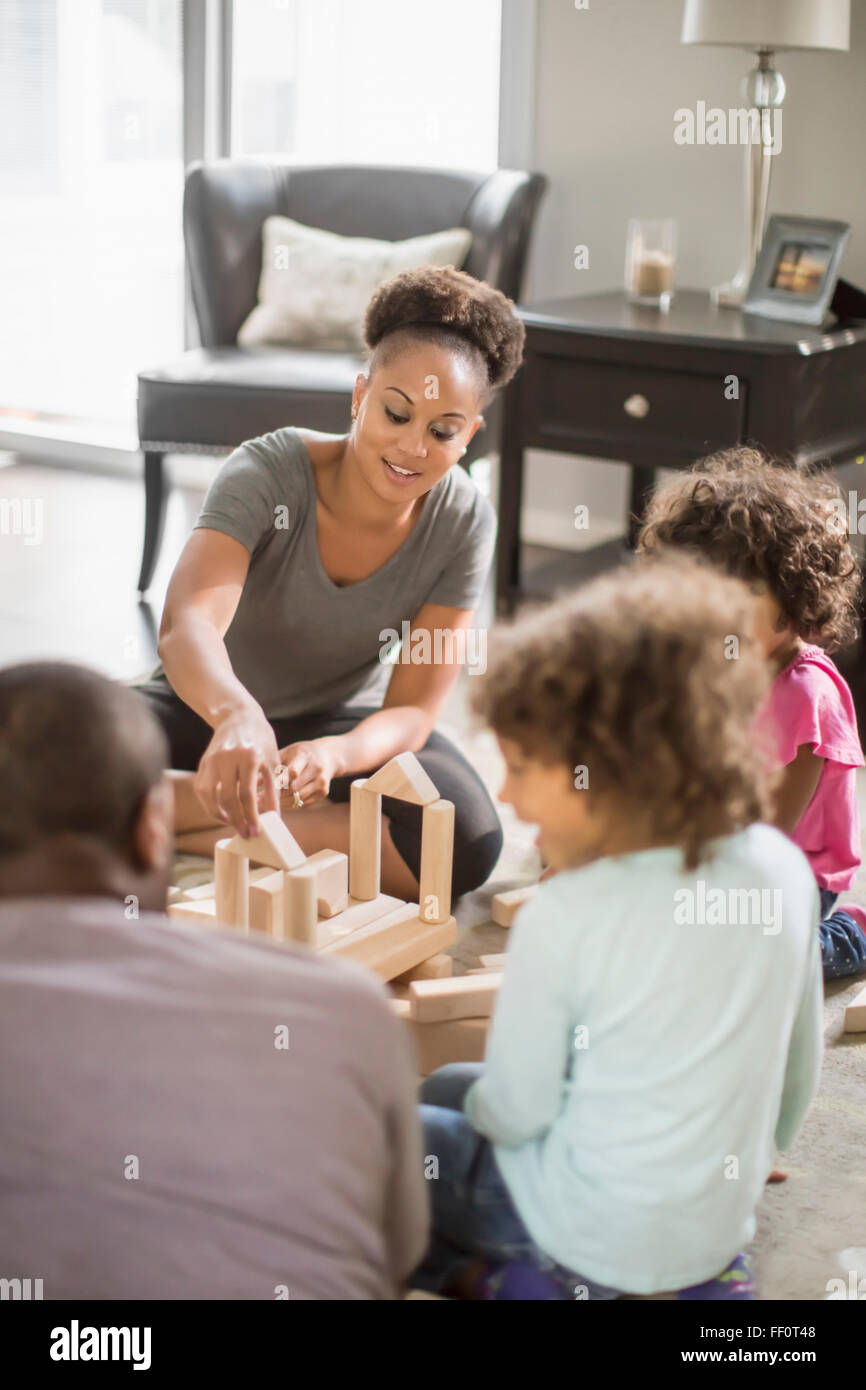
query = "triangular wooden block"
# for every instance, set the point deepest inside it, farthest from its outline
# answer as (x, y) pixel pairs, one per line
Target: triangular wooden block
(404, 778)
(274, 845)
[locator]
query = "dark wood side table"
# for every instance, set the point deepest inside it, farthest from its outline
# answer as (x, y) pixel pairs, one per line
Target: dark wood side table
(610, 380)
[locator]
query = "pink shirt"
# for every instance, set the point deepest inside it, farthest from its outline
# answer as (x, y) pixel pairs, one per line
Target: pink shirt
(809, 702)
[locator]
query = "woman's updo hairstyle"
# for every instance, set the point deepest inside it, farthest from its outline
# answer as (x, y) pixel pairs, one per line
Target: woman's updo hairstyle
(441, 305)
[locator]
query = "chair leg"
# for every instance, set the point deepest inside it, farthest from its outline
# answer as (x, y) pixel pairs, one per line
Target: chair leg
(155, 499)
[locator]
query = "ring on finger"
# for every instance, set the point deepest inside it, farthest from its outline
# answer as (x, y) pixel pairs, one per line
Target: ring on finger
(297, 801)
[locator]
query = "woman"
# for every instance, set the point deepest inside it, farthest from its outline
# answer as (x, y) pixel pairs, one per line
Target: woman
(308, 548)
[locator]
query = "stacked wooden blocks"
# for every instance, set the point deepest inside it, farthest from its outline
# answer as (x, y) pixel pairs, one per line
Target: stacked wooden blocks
(449, 1018)
(333, 903)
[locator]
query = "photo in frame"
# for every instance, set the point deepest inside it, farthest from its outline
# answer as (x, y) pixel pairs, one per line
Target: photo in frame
(797, 269)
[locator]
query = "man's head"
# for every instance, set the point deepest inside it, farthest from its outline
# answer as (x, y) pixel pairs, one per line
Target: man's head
(84, 804)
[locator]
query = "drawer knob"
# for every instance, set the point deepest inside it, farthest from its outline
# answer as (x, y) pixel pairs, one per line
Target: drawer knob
(637, 407)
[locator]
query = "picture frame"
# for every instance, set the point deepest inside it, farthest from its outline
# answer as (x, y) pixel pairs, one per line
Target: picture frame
(797, 269)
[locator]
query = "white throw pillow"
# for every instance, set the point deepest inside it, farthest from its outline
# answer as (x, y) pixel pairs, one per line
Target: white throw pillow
(315, 285)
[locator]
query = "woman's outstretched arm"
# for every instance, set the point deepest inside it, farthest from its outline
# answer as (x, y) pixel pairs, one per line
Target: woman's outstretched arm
(240, 760)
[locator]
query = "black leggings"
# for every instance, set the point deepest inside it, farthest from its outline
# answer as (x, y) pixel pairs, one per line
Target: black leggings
(477, 830)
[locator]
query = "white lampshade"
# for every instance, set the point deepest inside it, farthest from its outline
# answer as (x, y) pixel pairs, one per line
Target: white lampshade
(771, 24)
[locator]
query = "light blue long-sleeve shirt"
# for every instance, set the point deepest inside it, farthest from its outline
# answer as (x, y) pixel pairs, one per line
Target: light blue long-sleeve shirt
(656, 1033)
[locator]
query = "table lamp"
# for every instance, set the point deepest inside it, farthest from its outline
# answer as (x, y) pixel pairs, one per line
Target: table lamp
(763, 27)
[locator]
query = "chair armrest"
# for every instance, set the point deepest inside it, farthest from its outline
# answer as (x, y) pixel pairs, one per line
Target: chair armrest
(500, 218)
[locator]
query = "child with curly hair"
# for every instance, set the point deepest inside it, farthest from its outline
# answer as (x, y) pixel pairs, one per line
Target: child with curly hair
(783, 531)
(593, 1151)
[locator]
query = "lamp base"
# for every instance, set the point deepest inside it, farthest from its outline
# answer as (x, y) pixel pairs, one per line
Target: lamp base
(730, 295)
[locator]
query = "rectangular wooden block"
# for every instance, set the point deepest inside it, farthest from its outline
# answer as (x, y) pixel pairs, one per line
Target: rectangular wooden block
(332, 881)
(266, 905)
(194, 912)
(437, 857)
(208, 890)
(404, 777)
(504, 907)
(274, 845)
(232, 879)
(437, 1044)
(365, 841)
(300, 914)
(467, 996)
(495, 962)
(396, 943)
(356, 915)
(436, 968)
(855, 1014)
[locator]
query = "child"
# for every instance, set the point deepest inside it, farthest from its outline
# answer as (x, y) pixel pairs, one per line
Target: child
(784, 532)
(653, 1035)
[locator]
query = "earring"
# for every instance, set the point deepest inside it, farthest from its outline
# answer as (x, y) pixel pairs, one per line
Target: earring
(462, 452)
(354, 412)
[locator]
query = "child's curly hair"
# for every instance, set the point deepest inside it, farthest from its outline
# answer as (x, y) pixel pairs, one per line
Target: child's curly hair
(762, 520)
(439, 304)
(639, 678)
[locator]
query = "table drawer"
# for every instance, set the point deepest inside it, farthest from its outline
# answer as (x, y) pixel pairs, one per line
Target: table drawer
(572, 403)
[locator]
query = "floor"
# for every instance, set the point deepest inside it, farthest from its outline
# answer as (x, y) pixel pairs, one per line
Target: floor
(72, 596)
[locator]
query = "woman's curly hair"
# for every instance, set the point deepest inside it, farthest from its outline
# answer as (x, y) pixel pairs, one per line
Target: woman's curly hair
(764, 521)
(442, 305)
(638, 678)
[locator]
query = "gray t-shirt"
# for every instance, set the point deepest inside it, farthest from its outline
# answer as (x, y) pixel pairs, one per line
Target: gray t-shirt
(157, 1141)
(300, 643)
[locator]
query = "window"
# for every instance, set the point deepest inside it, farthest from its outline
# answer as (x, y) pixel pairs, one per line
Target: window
(91, 183)
(377, 82)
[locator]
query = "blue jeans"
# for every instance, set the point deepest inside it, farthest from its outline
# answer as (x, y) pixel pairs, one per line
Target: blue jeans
(474, 1217)
(843, 944)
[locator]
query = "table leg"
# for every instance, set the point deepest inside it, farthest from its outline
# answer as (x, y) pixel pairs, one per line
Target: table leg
(643, 480)
(510, 502)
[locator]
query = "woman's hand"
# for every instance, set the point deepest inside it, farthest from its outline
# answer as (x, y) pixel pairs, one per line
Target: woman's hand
(236, 777)
(307, 770)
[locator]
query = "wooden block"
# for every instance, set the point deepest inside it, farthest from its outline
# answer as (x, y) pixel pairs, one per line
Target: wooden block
(356, 915)
(266, 905)
(195, 912)
(332, 881)
(505, 906)
(365, 841)
(855, 1014)
(300, 914)
(493, 962)
(400, 1007)
(437, 857)
(175, 894)
(404, 778)
(436, 968)
(208, 890)
(232, 878)
(436, 1044)
(395, 943)
(274, 845)
(467, 996)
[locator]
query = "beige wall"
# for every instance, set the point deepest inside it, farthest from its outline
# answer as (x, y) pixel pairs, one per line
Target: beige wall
(608, 80)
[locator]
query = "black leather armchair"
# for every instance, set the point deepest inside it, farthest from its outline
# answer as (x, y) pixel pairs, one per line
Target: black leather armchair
(218, 395)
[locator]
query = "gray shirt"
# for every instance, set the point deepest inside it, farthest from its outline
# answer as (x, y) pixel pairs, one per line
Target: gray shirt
(298, 642)
(156, 1142)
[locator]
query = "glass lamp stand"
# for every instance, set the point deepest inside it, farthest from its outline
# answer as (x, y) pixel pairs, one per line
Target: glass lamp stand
(763, 91)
